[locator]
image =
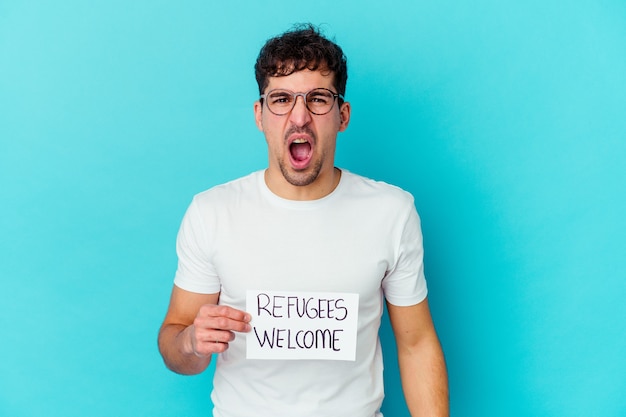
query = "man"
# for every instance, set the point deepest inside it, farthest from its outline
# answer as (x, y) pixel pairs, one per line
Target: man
(306, 228)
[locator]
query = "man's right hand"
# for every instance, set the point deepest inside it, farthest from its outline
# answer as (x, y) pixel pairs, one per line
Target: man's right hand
(195, 327)
(214, 328)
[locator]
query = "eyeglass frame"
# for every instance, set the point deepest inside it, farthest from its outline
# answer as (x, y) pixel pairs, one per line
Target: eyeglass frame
(336, 96)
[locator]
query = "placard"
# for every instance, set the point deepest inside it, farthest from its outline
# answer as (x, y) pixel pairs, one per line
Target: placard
(302, 325)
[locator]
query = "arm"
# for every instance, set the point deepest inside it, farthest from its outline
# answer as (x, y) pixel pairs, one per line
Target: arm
(196, 327)
(421, 361)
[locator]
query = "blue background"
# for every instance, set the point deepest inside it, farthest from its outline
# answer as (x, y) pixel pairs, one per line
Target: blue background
(505, 119)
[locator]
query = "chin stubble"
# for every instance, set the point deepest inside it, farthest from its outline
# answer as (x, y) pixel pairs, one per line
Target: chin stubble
(301, 178)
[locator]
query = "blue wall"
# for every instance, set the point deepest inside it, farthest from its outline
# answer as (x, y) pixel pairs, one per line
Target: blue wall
(505, 119)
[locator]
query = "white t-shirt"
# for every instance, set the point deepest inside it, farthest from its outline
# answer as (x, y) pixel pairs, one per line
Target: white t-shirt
(364, 238)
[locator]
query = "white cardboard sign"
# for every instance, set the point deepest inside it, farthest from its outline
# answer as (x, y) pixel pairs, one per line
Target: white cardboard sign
(302, 325)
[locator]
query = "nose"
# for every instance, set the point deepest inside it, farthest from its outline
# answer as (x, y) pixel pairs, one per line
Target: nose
(300, 115)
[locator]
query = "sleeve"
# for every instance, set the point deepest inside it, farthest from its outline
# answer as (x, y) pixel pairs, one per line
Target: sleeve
(195, 272)
(405, 283)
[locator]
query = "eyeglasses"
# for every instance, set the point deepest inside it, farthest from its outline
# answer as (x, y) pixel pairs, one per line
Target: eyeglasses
(318, 101)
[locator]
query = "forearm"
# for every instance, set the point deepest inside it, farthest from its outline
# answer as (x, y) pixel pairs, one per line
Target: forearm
(177, 350)
(424, 379)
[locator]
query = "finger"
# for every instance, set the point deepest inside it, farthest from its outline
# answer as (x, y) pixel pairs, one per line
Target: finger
(208, 324)
(205, 349)
(215, 336)
(206, 342)
(225, 311)
(222, 318)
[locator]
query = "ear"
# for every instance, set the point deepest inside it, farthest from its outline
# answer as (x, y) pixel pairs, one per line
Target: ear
(344, 116)
(258, 115)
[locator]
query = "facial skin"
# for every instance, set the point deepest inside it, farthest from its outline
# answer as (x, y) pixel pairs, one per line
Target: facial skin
(312, 177)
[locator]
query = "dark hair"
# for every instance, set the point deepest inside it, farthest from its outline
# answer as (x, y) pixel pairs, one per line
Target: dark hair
(303, 47)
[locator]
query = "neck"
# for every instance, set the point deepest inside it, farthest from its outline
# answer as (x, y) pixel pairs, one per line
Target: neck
(321, 187)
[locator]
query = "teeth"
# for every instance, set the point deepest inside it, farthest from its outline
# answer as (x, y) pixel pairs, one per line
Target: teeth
(300, 141)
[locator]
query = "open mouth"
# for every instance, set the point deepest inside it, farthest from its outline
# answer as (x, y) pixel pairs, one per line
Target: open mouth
(300, 151)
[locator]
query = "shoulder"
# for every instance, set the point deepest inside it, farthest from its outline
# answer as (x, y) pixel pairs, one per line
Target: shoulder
(229, 191)
(358, 186)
